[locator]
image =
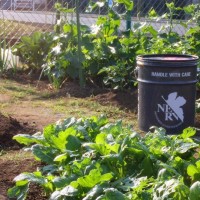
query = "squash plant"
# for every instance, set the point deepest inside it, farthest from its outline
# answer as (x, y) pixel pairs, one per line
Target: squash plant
(107, 53)
(93, 159)
(61, 61)
(100, 49)
(113, 53)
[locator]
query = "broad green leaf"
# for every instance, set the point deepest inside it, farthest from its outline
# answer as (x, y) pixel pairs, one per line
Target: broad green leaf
(61, 157)
(35, 177)
(93, 178)
(18, 192)
(164, 174)
(44, 153)
(61, 182)
(95, 191)
(113, 158)
(114, 194)
(29, 139)
(55, 195)
(26, 39)
(128, 4)
(195, 191)
(183, 147)
(49, 169)
(83, 165)
(147, 168)
(188, 132)
(198, 164)
(48, 132)
(193, 30)
(62, 125)
(21, 183)
(101, 138)
(136, 184)
(77, 169)
(102, 120)
(115, 129)
(152, 13)
(171, 189)
(61, 140)
(189, 9)
(100, 148)
(67, 191)
(194, 171)
(73, 143)
(151, 30)
(138, 154)
(67, 28)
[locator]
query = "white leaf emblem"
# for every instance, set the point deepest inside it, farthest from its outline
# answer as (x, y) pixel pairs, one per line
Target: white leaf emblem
(175, 102)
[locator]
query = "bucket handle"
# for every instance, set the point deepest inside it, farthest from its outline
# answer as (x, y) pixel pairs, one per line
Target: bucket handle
(136, 72)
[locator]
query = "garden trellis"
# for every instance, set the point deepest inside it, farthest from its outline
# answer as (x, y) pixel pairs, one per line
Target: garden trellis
(23, 17)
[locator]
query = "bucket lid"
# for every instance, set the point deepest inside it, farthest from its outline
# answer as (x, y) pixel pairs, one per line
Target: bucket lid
(167, 59)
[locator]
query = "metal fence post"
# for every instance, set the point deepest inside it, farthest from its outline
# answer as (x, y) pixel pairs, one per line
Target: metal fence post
(81, 72)
(128, 20)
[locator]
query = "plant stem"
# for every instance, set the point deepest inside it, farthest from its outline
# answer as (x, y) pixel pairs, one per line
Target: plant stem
(81, 73)
(128, 21)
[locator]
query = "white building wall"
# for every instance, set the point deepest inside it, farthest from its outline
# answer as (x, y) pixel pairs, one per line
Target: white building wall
(40, 1)
(196, 1)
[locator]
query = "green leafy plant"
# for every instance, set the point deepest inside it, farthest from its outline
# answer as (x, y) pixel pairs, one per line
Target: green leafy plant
(112, 54)
(62, 61)
(99, 49)
(33, 49)
(94, 159)
(106, 54)
(193, 33)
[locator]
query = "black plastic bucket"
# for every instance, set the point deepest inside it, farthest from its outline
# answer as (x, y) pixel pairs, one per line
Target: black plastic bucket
(166, 91)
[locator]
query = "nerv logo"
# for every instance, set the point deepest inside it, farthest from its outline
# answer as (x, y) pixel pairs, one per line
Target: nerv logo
(169, 111)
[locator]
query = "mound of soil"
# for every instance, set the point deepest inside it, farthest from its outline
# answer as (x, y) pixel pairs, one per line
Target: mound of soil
(10, 127)
(10, 168)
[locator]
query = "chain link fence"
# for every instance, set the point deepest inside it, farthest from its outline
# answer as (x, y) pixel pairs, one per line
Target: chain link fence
(23, 17)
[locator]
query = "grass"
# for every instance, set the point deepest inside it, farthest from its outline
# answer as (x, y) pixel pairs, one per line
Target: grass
(67, 106)
(16, 91)
(16, 156)
(86, 107)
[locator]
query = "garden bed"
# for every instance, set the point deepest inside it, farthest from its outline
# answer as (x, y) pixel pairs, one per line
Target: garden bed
(21, 118)
(26, 120)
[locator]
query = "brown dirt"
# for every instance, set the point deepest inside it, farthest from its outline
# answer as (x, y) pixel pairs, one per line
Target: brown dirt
(29, 120)
(10, 127)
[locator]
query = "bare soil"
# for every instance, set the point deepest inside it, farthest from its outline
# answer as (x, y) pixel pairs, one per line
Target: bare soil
(28, 120)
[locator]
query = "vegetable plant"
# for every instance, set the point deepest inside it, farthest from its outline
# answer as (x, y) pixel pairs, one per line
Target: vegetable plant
(33, 49)
(93, 159)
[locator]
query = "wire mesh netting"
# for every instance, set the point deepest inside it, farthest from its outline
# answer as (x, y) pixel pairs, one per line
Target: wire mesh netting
(23, 17)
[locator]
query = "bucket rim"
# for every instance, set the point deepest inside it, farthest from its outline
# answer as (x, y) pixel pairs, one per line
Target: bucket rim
(168, 58)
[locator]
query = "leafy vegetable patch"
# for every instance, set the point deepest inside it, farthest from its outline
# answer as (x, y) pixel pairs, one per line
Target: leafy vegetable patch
(94, 159)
